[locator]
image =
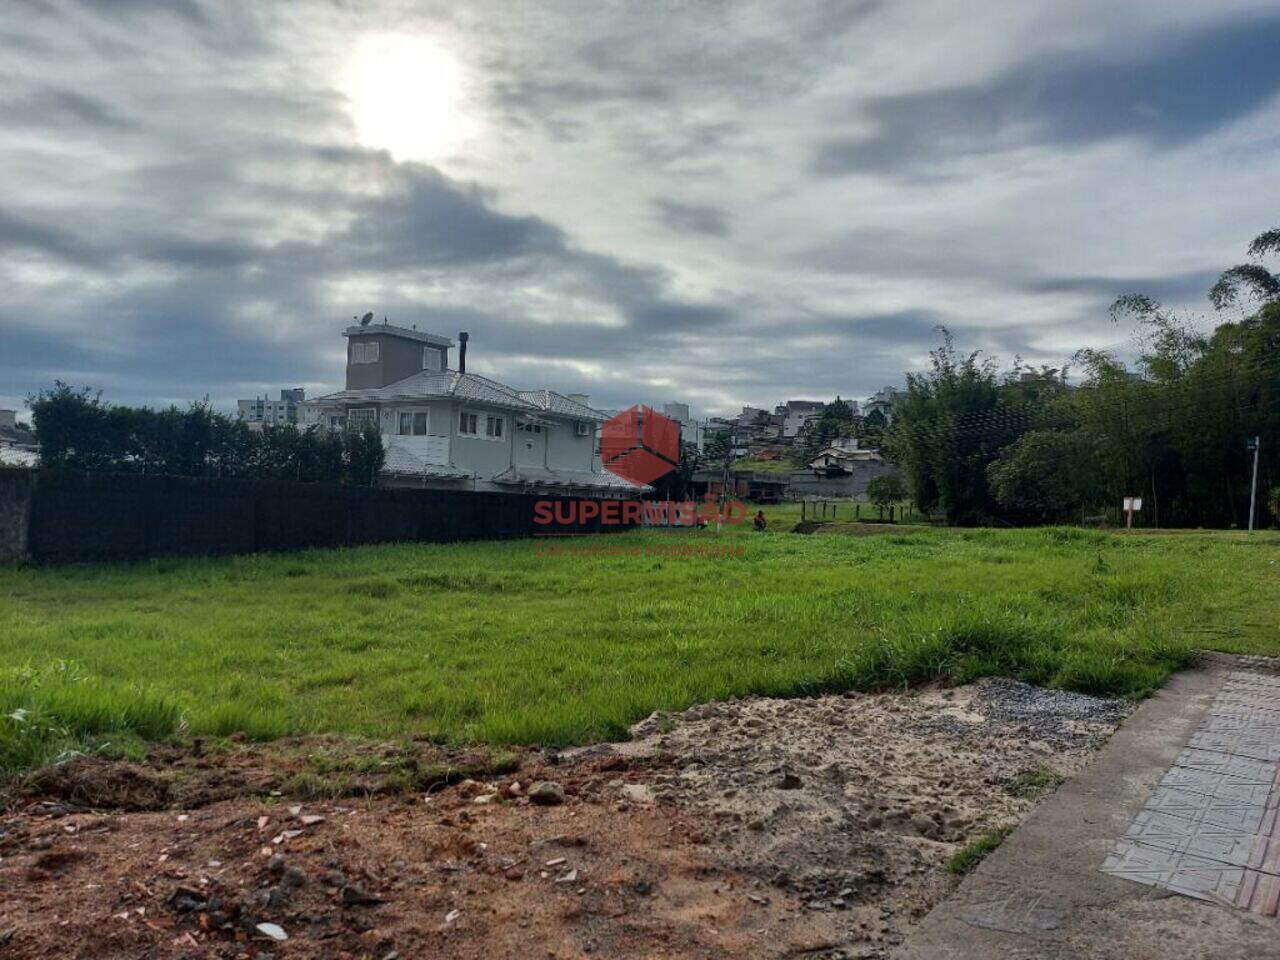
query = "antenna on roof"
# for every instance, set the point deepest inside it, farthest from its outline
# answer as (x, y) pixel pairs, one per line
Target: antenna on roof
(364, 321)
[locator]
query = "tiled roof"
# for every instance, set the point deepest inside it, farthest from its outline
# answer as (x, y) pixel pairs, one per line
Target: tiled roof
(18, 457)
(470, 386)
(445, 383)
(558, 403)
(400, 460)
(18, 436)
(840, 453)
(567, 478)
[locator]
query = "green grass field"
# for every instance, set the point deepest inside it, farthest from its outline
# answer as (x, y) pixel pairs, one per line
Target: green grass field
(499, 643)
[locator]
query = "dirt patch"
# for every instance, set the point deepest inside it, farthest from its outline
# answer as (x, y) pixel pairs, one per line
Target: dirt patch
(197, 774)
(853, 805)
(764, 828)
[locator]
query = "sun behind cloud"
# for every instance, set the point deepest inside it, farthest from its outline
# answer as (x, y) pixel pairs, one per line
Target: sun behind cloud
(406, 95)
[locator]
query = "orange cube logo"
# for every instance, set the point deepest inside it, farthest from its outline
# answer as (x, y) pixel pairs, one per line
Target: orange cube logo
(640, 445)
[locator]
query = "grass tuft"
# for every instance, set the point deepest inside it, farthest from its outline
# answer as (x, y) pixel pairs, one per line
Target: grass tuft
(973, 853)
(1034, 783)
(53, 712)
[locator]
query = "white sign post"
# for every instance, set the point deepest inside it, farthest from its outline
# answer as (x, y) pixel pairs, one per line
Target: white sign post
(1255, 444)
(1132, 505)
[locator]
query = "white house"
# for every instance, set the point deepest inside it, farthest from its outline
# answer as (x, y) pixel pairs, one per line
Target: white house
(451, 429)
(883, 402)
(796, 413)
(841, 455)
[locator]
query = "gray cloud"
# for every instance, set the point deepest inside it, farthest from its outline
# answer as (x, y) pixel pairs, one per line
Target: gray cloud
(692, 217)
(1172, 288)
(189, 208)
(56, 107)
(1174, 90)
(426, 221)
(20, 234)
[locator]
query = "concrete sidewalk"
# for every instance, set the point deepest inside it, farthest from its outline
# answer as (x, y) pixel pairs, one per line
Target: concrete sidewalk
(1044, 894)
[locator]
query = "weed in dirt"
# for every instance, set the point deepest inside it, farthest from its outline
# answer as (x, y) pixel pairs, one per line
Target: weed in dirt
(1034, 783)
(973, 853)
(335, 773)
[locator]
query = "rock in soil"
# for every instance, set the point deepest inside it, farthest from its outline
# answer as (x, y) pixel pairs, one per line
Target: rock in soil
(547, 794)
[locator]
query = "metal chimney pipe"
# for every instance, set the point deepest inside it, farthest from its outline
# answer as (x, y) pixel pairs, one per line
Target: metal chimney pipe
(462, 351)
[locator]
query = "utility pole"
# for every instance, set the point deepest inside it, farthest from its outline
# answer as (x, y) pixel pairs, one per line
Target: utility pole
(727, 475)
(1255, 445)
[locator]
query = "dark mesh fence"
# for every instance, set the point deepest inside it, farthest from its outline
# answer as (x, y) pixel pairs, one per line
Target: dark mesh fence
(76, 517)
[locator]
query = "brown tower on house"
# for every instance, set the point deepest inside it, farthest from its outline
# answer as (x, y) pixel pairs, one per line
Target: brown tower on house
(381, 353)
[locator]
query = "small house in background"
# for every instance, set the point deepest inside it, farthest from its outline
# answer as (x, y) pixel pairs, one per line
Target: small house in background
(841, 457)
(746, 485)
(18, 446)
(447, 428)
(883, 402)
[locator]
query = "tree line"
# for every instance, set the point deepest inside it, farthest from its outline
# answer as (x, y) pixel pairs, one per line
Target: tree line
(78, 431)
(972, 443)
(1025, 446)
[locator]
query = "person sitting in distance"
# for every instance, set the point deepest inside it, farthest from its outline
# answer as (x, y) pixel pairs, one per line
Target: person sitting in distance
(760, 523)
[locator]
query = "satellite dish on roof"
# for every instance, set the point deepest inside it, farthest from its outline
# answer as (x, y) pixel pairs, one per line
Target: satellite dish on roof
(364, 321)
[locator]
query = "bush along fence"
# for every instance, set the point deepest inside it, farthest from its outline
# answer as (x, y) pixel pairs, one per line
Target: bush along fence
(59, 517)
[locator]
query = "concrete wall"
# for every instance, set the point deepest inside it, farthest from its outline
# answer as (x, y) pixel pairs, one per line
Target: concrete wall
(843, 487)
(531, 447)
(481, 454)
(568, 451)
(16, 487)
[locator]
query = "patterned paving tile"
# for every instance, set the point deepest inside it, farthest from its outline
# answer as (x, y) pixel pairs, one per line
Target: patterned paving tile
(1211, 828)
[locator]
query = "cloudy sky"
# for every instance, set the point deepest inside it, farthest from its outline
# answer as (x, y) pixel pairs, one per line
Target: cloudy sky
(723, 203)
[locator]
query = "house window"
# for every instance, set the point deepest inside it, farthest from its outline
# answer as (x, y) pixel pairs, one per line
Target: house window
(364, 352)
(412, 423)
(468, 423)
(528, 427)
(582, 428)
(430, 359)
(493, 427)
(360, 417)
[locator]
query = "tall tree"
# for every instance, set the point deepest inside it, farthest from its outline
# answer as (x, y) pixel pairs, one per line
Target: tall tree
(947, 429)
